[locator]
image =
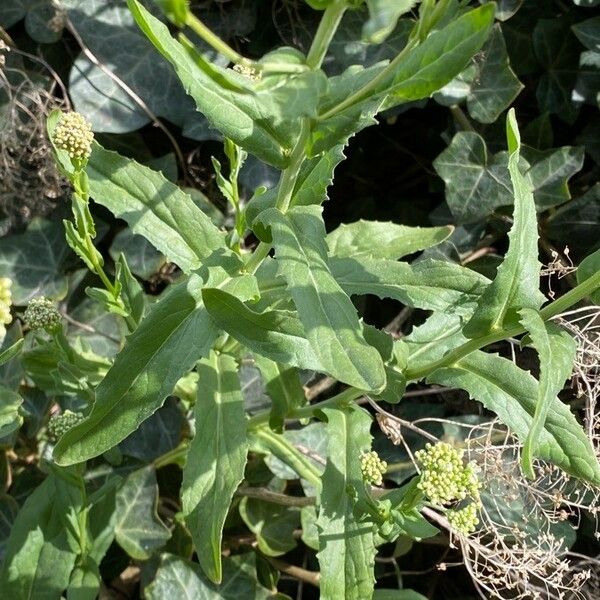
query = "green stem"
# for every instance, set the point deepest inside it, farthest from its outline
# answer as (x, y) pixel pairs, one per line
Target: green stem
(371, 86)
(287, 453)
(345, 397)
(554, 308)
(327, 28)
(175, 456)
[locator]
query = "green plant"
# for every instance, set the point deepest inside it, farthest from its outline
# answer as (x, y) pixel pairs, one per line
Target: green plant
(289, 313)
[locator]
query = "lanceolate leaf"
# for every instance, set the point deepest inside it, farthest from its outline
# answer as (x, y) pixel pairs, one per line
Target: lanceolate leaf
(512, 394)
(375, 239)
(138, 530)
(239, 116)
(326, 312)
(216, 458)
(277, 334)
(176, 333)
(516, 284)
(556, 349)
(346, 546)
(154, 208)
(429, 284)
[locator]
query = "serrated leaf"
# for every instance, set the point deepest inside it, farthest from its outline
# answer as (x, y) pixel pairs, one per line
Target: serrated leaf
(346, 546)
(516, 285)
(512, 394)
(376, 239)
(154, 208)
(138, 529)
(239, 116)
(34, 261)
(176, 332)
(428, 284)
(216, 458)
(383, 16)
(556, 350)
(326, 312)
(273, 525)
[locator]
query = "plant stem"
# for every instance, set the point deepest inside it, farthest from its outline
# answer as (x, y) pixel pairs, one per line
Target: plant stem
(327, 28)
(371, 86)
(551, 310)
(274, 497)
(344, 397)
(287, 453)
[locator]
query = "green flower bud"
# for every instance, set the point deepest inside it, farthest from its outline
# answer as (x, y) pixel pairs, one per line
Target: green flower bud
(5, 303)
(74, 134)
(58, 425)
(372, 467)
(464, 520)
(444, 476)
(42, 314)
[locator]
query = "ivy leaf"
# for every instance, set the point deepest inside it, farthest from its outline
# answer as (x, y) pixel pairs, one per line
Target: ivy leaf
(273, 525)
(588, 33)
(326, 312)
(574, 223)
(184, 580)
(588, 267)
(383, 16)
(376, 239)
(138, 529)
(489, 85)
(557, 50)
(39, 553)
(501, 386)
(556, 350)
(143, 259)
(154, 208)
(35, 260)
(346, 545)
(216, 458)
(516, 285)
(176, 332)
(109, 31)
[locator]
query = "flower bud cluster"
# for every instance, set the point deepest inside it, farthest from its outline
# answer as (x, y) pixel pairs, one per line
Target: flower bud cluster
(444, 476)
(42, 314)
(5, 302)
(465, 519)
(74, 134)
(58, 425)
(372, 467)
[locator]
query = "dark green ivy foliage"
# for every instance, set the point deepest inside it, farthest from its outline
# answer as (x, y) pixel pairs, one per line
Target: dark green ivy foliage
(190, 365)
